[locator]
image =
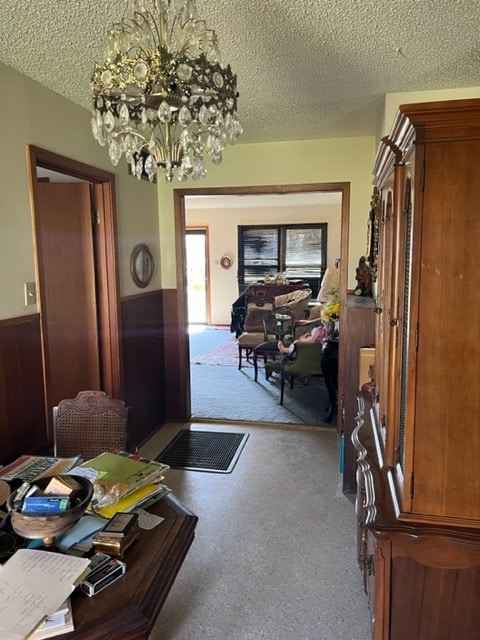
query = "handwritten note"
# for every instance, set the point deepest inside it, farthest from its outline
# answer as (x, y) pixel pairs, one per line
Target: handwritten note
(33, 584)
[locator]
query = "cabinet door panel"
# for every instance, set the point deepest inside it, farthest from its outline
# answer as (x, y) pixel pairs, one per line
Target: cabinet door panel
(447, 443)
(433, 603)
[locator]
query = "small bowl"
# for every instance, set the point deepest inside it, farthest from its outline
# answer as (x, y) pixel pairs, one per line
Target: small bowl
(46, 527)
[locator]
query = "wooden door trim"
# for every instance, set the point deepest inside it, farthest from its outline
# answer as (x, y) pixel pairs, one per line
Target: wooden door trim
(106, 257)
(180, 226)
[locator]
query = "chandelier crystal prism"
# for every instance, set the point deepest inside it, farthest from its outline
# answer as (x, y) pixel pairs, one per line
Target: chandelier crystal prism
(162, 97)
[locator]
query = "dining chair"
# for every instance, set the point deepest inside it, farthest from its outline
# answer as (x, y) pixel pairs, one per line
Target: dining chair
(256, 309)
(89, 424)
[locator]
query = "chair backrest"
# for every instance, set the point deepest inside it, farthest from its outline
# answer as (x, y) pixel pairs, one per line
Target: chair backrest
(89, 424)
(297, 301)
(256, 309)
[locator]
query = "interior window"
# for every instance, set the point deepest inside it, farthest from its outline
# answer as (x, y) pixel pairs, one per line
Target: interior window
(299, 251)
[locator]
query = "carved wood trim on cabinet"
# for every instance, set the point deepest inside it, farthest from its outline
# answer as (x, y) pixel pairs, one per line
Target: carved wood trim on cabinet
(416, 572)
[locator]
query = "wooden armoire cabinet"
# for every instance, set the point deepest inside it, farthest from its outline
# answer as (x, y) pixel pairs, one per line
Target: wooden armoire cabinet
(418, 432)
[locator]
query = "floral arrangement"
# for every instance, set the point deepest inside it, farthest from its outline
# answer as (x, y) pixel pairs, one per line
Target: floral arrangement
(331, 309)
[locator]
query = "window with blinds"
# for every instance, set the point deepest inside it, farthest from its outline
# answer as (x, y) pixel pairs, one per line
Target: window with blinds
(298, 250)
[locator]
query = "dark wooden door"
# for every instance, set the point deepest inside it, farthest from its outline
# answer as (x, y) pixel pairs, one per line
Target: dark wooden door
(66, 264)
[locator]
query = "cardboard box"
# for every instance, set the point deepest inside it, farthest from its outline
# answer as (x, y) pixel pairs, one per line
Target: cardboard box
(367, 357)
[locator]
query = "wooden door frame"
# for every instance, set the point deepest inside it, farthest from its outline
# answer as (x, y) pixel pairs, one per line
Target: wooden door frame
(106, 252)
(183, 349)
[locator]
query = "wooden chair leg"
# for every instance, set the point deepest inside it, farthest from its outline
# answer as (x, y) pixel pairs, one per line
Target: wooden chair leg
(239, 357)
(282, 386)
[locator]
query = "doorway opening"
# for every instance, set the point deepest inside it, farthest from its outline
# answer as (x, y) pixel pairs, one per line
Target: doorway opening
(196, 264)
(76, 265)
(180, 196)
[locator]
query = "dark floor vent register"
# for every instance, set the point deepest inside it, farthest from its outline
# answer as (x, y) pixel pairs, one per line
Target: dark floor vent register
(212, 451)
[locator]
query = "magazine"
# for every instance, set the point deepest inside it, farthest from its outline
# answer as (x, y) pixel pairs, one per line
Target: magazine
(29, 467)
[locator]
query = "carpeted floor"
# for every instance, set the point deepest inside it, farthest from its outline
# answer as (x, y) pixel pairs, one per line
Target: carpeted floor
(225, 354)
(274, 554)
(225, 393)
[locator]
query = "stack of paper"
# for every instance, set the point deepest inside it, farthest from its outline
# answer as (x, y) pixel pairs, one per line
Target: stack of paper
(54, 625)
(133, 480)
(33, 585)
(135, 499)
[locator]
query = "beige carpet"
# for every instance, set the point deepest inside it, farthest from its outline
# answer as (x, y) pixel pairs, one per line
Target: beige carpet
(274, 555)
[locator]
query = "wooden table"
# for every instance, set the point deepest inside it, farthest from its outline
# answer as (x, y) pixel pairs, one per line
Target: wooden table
(266, 350)
(127, 609)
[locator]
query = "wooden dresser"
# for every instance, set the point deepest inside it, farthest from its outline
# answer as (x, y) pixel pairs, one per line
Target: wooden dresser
(418, 433)
(357, 328)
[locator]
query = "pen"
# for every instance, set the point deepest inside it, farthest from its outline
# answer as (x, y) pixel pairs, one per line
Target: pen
(20, 495)
(31, 491)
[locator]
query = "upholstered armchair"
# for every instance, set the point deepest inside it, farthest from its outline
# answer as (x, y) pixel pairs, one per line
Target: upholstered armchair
(313, 318)
(304, 361)
(297, 301)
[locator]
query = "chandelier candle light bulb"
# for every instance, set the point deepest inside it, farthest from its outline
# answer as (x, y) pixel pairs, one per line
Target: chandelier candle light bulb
(162, 97)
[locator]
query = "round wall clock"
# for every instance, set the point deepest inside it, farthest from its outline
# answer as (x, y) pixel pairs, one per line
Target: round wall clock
(142, 265)
(226, 262)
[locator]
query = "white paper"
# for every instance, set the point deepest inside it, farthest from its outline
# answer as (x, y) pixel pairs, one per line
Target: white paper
(34, 584)
(147, 520)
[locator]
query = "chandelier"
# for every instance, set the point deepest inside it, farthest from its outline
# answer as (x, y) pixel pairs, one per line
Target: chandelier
(162, 97)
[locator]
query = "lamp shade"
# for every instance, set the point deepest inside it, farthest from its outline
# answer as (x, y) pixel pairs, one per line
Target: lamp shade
(331, 280)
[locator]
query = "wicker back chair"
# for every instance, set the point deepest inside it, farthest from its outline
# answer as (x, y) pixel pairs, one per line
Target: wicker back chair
(89, 425)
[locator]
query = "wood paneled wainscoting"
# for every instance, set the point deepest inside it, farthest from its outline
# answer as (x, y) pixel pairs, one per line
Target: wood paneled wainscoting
(144, 363)
(147, 383)
(22, 405)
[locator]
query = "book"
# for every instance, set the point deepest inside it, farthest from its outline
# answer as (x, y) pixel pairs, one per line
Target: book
(29, 467)
(33, 584)
(115, 546)
(55, 624)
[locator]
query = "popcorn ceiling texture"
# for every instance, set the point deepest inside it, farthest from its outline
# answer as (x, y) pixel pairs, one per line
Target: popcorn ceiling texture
(306, 68)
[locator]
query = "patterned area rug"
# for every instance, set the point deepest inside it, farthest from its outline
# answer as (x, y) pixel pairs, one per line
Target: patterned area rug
(225, 354)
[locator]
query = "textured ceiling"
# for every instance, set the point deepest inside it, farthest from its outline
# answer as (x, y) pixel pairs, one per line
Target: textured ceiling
(306, 68)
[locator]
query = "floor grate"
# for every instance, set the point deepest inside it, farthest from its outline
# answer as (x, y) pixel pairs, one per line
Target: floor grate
(212, 451)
